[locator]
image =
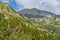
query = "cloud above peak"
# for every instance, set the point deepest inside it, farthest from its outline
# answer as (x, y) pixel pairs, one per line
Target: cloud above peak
(48, 5)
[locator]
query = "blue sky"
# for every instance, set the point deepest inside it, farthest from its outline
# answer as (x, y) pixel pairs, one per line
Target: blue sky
(47, 5)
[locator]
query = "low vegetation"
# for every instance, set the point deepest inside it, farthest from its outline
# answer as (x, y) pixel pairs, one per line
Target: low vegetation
(14, 26)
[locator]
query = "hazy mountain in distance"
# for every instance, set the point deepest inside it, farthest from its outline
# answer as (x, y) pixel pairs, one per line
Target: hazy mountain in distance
(34, 12)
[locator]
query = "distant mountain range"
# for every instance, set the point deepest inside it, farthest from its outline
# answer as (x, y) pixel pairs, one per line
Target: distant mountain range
(34, 12)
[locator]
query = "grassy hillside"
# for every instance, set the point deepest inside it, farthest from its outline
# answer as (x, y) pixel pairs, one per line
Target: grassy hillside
(13, 26)
(52, 26)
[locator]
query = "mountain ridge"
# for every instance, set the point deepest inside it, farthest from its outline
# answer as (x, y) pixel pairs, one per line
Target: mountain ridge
(34, 12)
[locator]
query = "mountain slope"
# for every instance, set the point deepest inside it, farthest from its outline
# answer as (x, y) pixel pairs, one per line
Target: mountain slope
(42, 20)
(36, 13)
(16, 27)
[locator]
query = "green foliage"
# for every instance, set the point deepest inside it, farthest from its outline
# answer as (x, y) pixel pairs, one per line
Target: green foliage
(16, 27)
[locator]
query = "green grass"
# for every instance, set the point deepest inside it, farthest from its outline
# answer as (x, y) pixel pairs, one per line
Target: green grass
(16, 27)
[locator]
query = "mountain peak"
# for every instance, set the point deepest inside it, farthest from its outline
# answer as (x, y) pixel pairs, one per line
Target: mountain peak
(34, 12)
(34, 9)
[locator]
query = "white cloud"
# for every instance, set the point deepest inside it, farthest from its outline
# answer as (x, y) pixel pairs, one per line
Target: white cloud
(50, 5)
(36, 2)
(41, 4)
(5, 1)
